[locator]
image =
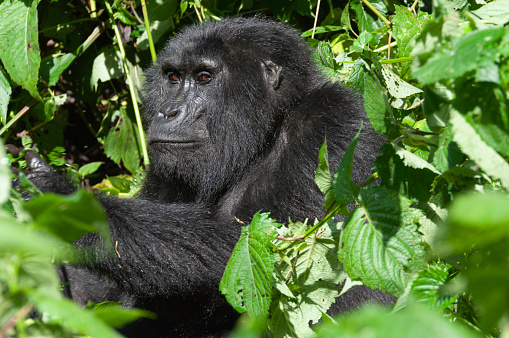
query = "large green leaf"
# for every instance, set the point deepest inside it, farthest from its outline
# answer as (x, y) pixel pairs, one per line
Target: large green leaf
(322, 176)
(344, 189)
(380, 244)
(247, 280)
(414, 321)
(312, 272)
(477, 150)
(122, 143)
(496, 12)
(76, 215)
(468, 53)
(19, 45)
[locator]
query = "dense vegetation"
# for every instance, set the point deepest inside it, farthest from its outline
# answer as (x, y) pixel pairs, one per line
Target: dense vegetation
(434, 232)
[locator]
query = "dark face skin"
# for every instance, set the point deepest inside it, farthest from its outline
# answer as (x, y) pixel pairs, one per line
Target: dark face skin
(180, 122)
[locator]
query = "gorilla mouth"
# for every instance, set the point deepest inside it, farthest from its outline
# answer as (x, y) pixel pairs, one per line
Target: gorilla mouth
(178, 143)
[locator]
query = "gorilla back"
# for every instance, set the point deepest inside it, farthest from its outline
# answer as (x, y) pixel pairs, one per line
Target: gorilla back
(236, 113)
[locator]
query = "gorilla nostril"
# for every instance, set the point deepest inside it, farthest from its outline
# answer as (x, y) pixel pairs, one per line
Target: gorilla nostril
(171, 114)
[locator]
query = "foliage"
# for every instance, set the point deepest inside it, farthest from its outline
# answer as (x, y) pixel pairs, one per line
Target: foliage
(432, 231)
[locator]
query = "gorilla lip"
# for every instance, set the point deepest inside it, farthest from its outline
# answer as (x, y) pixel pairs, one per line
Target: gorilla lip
(172, 142)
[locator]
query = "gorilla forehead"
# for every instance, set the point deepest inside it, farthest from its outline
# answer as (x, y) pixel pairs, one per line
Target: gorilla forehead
(238, 37)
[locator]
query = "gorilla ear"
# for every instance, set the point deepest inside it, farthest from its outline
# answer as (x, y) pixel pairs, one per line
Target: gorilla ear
(272, 73)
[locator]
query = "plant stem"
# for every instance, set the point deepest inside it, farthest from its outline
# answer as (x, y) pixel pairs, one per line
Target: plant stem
(324, 220)
(377, 13)
(397, 60)
(17, 117)
(61, 25)
(381, 49)
(93, 9)
(149, 33)
(131, 86)
(316, 19)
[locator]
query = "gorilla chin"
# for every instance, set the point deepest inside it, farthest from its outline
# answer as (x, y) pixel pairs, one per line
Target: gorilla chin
(237, 112)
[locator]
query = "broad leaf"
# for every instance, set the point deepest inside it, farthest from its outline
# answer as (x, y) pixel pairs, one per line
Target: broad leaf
(19, 44)
(77, 215)
(313, 273)
(344, 189)
(247, 280)
(380, 244)
(475, 148)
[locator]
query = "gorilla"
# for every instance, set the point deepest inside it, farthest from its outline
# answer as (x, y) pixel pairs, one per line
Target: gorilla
(236, 112)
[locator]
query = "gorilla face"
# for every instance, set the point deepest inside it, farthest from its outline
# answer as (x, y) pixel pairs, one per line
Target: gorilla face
(212, 111)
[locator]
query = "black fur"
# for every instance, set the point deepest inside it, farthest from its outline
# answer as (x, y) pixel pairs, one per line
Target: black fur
(246, 138)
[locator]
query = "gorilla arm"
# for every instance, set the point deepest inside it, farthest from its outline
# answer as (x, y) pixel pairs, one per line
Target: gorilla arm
(161, 249)
(165, 250)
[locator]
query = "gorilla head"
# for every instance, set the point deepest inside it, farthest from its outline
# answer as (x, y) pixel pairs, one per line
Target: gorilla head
(216, 99)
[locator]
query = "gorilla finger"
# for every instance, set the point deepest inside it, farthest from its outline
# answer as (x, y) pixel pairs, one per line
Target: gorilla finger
(35, 163)
(13, 150)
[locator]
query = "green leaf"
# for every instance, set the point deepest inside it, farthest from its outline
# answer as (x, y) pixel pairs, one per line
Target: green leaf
(397, 176)
(52, 68)
(477, 150)
(107, 66)
(5, 95)
(430, 287)
(476, 220)
(77, 215)
(365, 21)
(414, 161)
(313, 276)
(380, 244)
(89, 168)
(113, 315)
(344, 189)
(375, 96)
(247, 280)
(161, 20)
(121, 144)
(19, 45)
(122, 184)
(468, 53)
(496, 12)
(406, 29)
(18, 238)
(70, 315)
(397, 87)
(414, 321)
(322, 176)
(321, 29)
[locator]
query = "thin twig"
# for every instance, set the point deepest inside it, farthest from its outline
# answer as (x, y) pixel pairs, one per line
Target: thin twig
(17, 116)
(198, 13)
(316, 19)
(22, 313)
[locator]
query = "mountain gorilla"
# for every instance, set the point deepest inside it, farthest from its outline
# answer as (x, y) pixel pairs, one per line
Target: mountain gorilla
(236, 113)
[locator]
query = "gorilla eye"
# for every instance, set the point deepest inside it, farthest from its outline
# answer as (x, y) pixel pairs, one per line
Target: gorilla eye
(204, 77)
(174, 77)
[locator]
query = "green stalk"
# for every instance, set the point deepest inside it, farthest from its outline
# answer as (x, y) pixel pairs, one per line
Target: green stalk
(149, 33)
(377, 13)
(17, 117)
(397, 60)
(131, 86)
(324, 220)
